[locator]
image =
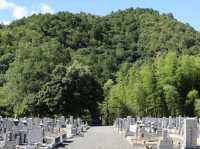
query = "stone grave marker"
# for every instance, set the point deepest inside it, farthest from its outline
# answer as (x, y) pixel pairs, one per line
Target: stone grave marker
(35, 135)
(190, 133)
(165, 142)
(170, 124)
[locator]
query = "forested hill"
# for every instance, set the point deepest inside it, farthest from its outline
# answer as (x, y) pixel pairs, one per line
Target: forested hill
(63, 63)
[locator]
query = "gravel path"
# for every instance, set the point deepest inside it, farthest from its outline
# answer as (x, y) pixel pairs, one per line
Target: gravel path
(100, 138)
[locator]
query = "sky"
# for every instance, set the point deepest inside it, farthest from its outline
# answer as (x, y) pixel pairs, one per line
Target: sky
(186, 11)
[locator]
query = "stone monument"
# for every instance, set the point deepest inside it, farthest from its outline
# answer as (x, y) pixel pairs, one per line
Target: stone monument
(190, 133)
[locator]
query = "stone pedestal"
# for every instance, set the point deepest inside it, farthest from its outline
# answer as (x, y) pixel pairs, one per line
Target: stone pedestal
(165, 142)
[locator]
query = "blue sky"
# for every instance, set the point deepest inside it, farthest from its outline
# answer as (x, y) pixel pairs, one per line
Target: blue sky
(187, 11)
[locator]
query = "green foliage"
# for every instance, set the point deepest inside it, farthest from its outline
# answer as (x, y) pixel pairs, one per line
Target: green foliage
(197, 107)
(168, 85)
(146, 63)
(72, 90)
(192, 96)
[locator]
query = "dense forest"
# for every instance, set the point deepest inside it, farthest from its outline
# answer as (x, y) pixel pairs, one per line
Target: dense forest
(130, 62)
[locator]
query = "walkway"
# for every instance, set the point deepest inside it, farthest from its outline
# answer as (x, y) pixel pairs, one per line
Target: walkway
(100, 138)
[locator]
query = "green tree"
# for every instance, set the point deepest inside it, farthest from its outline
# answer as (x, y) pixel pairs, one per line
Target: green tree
(72, 91)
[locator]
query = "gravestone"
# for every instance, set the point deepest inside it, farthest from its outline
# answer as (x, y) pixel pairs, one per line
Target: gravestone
(165, 142)
(71, 120)
(121, 125)
(141, 132)
(36, 121)
(190, 133)
(128, 120)
(30, 123)
(48, 125)
(131, 130)
(170, 124)
(35, 135)
(164, 122)
(61, 122)
(79, 122)
(22, 137)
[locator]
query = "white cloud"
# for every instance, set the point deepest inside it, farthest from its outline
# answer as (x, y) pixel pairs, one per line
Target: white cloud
(17, 11)
(5, 22)
(3, 4)
(46, 9)
(20, 12)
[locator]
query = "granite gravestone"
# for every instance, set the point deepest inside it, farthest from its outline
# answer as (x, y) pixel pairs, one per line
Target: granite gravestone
(190, 133)
(165, 142)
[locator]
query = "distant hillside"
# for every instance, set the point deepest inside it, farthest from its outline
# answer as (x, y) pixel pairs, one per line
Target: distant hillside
(53, 64)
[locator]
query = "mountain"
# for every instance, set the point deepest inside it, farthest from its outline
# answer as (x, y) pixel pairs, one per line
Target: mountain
(61, 63)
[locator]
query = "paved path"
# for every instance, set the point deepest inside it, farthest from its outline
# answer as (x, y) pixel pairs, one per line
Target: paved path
(100, 138)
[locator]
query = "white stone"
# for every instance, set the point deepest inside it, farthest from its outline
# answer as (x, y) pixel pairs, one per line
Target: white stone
(165, 142)
(69, 129)
(170, 124)
(190, 133)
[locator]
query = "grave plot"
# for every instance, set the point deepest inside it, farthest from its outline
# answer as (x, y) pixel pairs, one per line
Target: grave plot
(160, 133)
(36, 133)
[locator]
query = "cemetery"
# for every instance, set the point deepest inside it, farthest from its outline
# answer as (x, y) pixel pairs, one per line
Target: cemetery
(140, 133)
(99, 63)
(160, 133)
(37, 133)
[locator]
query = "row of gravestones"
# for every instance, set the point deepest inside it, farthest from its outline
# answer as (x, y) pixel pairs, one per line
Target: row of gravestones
(185, 128)
(32, 133)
